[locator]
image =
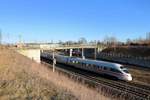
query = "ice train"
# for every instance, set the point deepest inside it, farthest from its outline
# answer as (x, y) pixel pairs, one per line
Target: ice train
(100, 67)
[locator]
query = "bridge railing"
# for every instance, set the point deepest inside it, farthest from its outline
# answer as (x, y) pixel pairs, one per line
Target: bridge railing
(76, 45)
(58, 46)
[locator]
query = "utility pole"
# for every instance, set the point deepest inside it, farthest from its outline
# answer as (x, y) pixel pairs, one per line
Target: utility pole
(95, 50)
(83, 57)
(54, 60)
(95, 53)
(70, 52)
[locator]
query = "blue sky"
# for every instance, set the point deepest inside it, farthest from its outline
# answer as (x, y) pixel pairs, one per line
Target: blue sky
(46, 20)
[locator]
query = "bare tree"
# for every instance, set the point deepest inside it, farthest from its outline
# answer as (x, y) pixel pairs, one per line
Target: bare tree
(60, 42)
(148, 37)
(110, 41)
(82, 40)
(128, 41)
(113, 40)
(69, 42)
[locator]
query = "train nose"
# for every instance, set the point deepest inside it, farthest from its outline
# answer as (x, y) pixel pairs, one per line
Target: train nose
(129, 77)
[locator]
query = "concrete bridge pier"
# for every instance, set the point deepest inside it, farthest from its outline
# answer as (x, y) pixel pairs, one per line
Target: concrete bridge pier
(95, 53)
(99, 50)
(33, 54)
(42, 50)
(71, 52)
(83, 57)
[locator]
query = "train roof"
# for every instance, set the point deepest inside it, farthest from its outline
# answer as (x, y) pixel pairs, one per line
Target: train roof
(97, 62)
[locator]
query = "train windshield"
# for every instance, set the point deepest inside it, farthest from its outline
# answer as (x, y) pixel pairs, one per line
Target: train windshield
(124, 69)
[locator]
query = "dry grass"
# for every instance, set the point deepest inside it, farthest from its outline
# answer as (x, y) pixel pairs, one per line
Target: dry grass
(21, 78)
(19, 81)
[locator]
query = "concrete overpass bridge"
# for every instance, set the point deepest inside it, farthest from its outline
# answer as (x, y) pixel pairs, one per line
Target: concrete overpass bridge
(96, 47)
(33, 50)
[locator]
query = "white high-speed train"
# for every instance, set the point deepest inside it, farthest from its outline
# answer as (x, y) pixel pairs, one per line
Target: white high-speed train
(101, 67)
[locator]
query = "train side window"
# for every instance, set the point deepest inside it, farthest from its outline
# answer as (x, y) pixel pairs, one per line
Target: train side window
(97, 67)
(87, 65)
(94, 65)
(114, 70)
(91, 65)
(111, 69)
(105, 68)
(121, 67)
(76, 62)
(100, 67)
(83, 64)
(69, 61)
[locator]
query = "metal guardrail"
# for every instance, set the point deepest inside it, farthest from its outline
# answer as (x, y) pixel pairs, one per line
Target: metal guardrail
(43, 46)
(69, 46)
(60, 46)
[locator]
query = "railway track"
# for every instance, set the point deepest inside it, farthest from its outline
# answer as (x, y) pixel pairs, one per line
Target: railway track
(139, 93)
(134, 91)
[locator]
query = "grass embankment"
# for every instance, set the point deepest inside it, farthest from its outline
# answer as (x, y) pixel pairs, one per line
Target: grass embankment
(21, 78)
